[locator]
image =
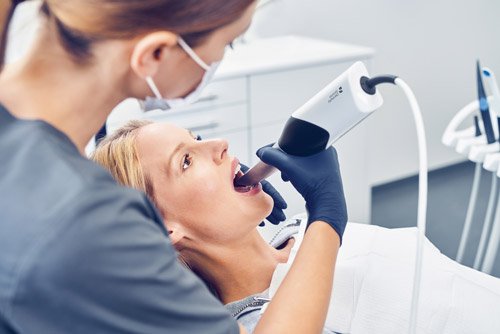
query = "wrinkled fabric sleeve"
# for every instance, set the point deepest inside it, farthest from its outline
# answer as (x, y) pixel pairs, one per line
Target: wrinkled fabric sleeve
(112, 270)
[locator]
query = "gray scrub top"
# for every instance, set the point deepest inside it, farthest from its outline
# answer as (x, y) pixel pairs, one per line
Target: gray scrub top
(81, 254)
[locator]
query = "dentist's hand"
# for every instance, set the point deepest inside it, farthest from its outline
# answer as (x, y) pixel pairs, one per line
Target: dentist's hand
(277, 215)
(317, 178)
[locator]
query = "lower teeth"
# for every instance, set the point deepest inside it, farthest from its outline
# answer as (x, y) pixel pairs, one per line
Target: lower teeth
(244, 189)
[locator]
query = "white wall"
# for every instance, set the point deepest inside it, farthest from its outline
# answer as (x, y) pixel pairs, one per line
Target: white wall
(432, 44)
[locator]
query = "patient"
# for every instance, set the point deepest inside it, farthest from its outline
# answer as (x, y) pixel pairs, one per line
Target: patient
(211, 224)
(213, 227)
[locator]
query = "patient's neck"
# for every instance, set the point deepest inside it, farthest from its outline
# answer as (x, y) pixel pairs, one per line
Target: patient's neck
(241, 269)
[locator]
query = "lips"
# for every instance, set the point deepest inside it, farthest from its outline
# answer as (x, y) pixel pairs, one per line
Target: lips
(235, 168)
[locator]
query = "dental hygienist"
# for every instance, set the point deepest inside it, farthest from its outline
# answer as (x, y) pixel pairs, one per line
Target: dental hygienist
(80, 254)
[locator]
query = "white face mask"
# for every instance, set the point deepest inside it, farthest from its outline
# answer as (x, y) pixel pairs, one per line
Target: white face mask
(158, 102)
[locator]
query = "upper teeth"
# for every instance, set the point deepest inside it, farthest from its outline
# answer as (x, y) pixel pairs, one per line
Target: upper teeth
(238, 168)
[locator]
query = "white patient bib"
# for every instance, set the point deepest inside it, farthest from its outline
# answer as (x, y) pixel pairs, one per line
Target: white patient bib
(373, 286)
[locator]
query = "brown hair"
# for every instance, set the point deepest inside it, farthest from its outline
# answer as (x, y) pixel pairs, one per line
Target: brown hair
(118, 154)
(7, 9)
(80, 23)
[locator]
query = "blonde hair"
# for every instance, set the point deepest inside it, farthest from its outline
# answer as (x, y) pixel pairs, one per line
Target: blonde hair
(118, 154)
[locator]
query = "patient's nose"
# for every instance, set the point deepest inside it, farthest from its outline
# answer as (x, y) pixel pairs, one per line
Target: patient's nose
(219, 150)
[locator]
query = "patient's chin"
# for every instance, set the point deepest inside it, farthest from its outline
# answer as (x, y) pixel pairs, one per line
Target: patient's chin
(258, 208)
(267, 205)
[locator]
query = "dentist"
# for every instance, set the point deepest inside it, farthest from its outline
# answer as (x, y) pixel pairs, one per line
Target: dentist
(80, 254)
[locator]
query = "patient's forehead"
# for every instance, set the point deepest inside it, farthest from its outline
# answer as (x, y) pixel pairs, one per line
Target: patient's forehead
(159, 136)
(165, 132)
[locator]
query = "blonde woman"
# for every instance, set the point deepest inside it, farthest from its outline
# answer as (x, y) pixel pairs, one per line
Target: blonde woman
(220, 243)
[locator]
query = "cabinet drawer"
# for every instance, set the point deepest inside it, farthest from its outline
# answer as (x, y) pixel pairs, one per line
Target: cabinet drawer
(217, 94)
(205, 122)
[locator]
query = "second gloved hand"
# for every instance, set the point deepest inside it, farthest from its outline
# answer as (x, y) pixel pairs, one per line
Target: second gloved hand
(317, 178)
(277, 215)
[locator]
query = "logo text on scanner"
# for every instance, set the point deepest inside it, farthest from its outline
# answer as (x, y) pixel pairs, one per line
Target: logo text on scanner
(335, 94)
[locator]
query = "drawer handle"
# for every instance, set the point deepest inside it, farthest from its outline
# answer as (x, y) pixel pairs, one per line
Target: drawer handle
(205, 126)
(207, 98)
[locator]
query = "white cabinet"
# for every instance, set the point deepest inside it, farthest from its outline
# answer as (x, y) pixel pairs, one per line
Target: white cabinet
(221, 112)
(256, 89)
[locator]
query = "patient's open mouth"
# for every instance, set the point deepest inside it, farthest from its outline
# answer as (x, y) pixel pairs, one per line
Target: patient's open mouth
(241, 189)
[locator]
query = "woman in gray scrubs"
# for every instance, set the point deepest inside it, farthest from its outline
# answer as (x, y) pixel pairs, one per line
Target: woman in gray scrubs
(80, 254)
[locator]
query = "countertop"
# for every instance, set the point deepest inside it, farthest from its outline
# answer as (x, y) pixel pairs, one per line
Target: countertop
(284, 53)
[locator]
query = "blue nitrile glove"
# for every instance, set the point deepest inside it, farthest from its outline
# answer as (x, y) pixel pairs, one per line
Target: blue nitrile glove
(277, 215)
(317, 178)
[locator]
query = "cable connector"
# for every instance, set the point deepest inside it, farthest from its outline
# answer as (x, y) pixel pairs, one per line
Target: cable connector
(369, 84)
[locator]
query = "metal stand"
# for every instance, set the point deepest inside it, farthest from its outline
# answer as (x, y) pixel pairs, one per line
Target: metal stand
(470, 213)
(492, 249)
(487, 221)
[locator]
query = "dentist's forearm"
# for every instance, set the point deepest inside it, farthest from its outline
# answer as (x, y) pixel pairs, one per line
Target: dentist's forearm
(301, 302)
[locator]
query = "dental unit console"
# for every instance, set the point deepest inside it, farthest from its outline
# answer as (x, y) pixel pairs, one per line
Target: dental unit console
(480, 143)
(329, 115)
(323, 120)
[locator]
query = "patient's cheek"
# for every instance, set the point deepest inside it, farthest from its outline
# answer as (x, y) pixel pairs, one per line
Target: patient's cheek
(211, 187)
(204, 189)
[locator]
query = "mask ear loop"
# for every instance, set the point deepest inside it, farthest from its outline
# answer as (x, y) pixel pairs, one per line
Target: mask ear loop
(153, 87)
(192, 54)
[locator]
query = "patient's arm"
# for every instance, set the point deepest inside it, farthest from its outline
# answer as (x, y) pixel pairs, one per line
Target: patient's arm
(301, 303)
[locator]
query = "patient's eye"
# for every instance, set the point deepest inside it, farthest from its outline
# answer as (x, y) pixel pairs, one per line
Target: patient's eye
(187, 160)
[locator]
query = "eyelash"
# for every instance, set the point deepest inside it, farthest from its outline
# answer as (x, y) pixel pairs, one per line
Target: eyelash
(187, 160)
